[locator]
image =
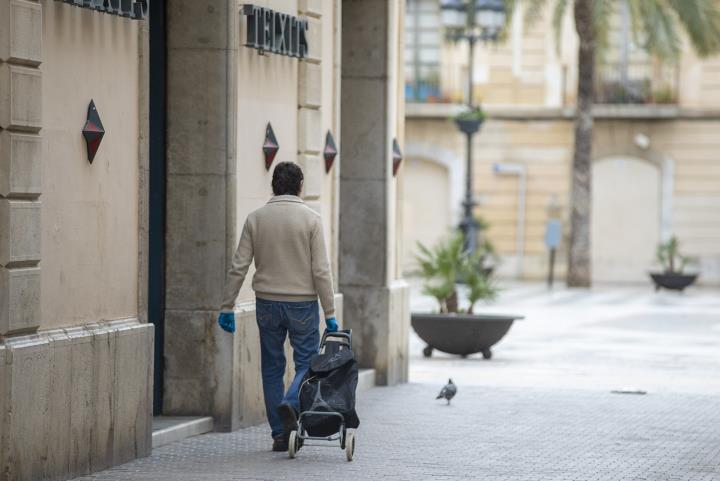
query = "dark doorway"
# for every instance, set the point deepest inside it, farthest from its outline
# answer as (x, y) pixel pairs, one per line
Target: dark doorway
(156, 267)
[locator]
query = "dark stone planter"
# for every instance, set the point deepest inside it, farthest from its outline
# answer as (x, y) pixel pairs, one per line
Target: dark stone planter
(468, 126)
(672, 280)
(461, 334)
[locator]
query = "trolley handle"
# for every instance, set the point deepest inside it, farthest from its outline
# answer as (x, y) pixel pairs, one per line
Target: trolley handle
(342, 334)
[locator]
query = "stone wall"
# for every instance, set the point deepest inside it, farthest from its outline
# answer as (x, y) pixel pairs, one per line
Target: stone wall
(544, 148)
(75, 400)
(75, 362)
(90, 211)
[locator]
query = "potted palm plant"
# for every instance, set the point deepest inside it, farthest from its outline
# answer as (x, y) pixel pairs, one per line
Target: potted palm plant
(456, 328)
(673, 265)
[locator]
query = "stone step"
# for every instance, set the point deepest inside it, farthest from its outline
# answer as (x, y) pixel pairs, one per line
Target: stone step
(170, 429)
(366, 379)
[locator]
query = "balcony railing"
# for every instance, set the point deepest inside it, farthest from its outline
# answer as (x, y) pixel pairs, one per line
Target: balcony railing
(636, 84)
(424, 91)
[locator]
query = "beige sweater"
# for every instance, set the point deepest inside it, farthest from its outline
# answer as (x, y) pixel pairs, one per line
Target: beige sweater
(286, 239)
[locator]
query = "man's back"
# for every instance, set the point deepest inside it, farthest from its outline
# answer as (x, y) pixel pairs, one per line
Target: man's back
(285, 237)
(282, 233)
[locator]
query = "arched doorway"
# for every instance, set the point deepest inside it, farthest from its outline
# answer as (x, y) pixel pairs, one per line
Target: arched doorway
(426, 208)
(626, 215)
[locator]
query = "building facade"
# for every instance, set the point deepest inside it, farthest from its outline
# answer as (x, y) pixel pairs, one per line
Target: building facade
(111, 270)
(76, 347)
(655, 171)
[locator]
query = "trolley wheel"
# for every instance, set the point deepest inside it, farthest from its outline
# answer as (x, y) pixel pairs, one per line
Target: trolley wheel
(427, 351)
(343, 439)
(487, 354)
(293, 444)
(350, 446)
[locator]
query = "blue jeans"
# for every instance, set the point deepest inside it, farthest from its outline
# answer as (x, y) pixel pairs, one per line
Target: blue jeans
(276, 320)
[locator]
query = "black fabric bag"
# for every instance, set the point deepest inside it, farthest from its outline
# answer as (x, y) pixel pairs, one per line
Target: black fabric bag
(329, 386)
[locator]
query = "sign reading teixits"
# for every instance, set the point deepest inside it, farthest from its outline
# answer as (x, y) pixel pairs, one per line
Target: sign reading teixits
(271, 31)
(136, 9)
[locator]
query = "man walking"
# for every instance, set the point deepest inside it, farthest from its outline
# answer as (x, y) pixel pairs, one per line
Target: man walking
(285, 237)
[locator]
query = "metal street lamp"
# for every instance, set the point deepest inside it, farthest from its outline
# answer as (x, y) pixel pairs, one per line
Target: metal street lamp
(471, 20)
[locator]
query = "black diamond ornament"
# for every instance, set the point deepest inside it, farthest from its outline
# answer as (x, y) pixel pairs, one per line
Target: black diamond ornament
(397, 156)
(270, 146)
(93, 131)
(329, 152)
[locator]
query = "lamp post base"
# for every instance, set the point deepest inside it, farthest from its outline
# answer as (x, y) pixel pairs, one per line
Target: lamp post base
(470, 227)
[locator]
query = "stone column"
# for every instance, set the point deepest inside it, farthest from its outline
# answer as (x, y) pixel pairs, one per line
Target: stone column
(20, 188)
(143, 168)
(376, 300)
(20, 165)
(309, 103)
(200, 360)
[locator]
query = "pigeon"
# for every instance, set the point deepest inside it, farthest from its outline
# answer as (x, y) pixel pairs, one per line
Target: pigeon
(448, 391)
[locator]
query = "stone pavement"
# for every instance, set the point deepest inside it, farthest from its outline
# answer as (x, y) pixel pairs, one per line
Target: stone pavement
(540, 410)
(602, 339)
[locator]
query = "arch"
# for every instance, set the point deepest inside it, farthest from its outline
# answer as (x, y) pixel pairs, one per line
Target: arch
(426, 211)
(624, 239)
(452, 162)
(627, 149)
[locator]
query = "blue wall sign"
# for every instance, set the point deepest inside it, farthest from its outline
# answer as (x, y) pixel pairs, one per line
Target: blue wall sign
(553, 234)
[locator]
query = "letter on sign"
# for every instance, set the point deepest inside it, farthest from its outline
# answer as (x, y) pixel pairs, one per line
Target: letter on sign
(136, 9)
(275, 32)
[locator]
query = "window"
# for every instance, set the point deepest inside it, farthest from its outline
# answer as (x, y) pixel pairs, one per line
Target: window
(627, 73)
(423, 41)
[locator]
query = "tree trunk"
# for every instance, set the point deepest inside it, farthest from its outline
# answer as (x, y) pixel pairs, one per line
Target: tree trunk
(452, 302)
(579, 261)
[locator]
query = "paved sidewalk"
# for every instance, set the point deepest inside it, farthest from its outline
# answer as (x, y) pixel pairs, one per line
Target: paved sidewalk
(503, 434)
(540, 410)
(599, 339)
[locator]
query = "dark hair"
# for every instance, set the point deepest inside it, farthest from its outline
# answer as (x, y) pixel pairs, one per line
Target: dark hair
(287, 179)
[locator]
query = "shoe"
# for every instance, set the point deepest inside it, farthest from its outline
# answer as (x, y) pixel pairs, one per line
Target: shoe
(280, 443)
(289, 418)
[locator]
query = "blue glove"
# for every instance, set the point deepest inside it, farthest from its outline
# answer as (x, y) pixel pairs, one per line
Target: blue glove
(226, 320)
(331, 324)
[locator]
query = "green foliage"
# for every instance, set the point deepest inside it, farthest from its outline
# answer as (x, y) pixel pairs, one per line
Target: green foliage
(557, 20)
(443, 264)
(480, 285)
(664, 96)
(439, 267)
(481, 223)
(475, 113)
(656, 24)
(669, 257)
(701, 20)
